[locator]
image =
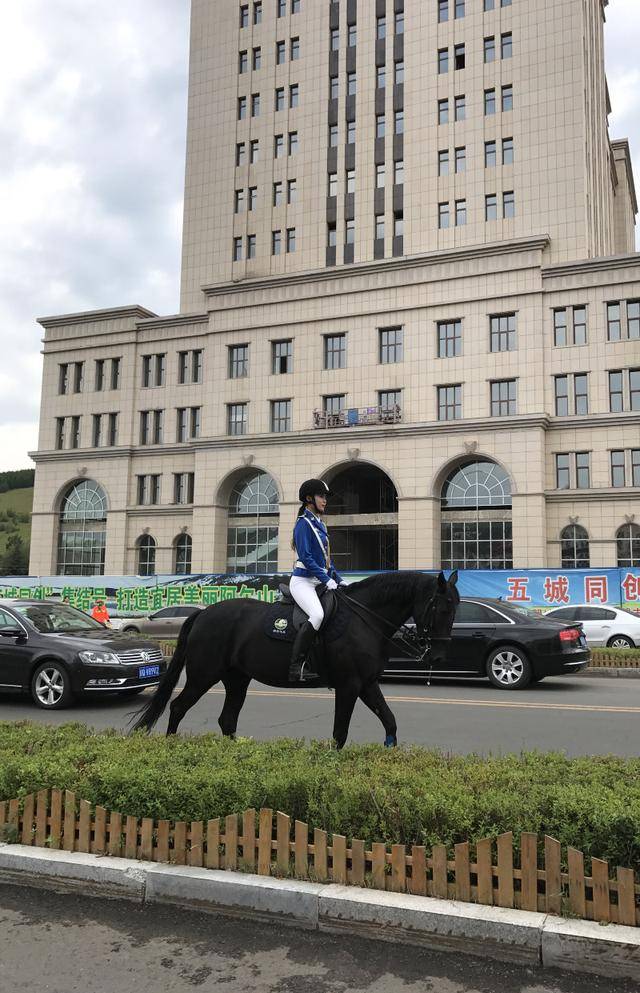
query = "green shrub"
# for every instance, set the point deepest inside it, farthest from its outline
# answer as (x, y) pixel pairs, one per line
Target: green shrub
(407, 795)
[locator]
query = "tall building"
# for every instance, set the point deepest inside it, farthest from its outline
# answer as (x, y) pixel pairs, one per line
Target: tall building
(408, 267)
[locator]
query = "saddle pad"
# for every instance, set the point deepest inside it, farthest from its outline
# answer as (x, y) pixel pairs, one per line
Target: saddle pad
(278, 623)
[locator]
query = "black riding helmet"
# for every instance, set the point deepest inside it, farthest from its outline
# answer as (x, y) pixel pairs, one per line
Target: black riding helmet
(313, 488)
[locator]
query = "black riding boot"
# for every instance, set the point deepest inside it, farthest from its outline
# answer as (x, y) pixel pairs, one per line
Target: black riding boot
(300, 669)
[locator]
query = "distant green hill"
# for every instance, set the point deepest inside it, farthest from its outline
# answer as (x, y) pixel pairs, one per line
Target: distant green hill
(18, 502)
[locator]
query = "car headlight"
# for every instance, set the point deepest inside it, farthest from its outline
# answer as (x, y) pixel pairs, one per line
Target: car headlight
(99, 658)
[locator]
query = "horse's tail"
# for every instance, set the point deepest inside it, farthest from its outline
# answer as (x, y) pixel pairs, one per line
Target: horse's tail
(149, 714)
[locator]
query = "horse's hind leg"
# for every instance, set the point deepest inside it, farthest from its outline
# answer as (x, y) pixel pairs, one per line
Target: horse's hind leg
(236, 685)
(346, 697)
(191, 693)
(372, 696)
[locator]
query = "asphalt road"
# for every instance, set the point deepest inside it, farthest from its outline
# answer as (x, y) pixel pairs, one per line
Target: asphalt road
(61, 943)
(581, 715)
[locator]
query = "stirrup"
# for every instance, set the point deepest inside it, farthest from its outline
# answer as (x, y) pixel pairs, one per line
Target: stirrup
(301, 672)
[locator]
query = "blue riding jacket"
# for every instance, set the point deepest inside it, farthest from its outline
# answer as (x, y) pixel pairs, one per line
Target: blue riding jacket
(312, 541)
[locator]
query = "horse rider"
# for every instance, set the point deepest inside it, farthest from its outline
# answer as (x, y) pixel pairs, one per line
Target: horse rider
(313, 568)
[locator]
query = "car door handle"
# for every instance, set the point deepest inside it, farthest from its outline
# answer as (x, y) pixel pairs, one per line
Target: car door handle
(478, 634)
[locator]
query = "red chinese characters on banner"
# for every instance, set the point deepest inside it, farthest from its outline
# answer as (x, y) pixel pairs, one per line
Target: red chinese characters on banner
(595, 588)
(556, 590)
(518, 589)
(631, 586)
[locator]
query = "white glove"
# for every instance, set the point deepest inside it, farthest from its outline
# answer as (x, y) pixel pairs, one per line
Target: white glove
(343, 584)
(331, 584)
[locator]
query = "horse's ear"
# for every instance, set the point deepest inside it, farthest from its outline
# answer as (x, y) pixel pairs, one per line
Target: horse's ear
(441, 580)
(453, 578)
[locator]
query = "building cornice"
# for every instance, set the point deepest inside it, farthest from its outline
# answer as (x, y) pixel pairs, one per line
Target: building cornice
(575, 422)
(174, 321)
(618, 494)
(454, 255)
(587, 266)
(91, 316)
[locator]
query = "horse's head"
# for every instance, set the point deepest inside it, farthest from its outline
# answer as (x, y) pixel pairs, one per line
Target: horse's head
(434, 616)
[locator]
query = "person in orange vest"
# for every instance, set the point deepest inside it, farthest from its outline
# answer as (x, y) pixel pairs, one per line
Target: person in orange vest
(100, 613)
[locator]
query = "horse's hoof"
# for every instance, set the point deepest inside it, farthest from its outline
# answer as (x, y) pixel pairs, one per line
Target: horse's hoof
(391, 741)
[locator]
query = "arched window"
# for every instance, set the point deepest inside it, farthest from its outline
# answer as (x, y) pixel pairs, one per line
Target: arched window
(182, 554)
(82, 528)
(252, 533)
(575, 547)
(628, 545)
(476, 529)
(146, 555)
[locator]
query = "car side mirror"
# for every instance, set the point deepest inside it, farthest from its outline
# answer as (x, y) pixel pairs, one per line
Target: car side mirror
(11, 632)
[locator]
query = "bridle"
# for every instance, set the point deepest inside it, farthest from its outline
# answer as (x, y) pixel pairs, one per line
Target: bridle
(416, 642)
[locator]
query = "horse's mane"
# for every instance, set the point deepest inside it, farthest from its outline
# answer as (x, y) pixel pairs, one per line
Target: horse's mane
(391, 585)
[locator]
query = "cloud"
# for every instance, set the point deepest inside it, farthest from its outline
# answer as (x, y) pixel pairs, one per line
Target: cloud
(92, 131)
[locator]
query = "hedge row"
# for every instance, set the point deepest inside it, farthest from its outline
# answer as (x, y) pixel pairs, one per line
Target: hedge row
(407, 795)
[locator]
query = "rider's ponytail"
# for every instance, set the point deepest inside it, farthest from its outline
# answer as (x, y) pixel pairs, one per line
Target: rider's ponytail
(301, 510)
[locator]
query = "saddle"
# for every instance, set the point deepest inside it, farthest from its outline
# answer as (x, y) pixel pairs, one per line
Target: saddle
(285, 617)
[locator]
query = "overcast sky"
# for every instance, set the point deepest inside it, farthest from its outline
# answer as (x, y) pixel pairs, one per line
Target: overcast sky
(92, 133)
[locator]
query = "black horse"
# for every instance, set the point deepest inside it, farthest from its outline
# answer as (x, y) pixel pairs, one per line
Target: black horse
(227, 642)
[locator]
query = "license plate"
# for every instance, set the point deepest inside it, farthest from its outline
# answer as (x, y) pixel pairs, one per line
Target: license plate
(583, 640)
(146, 671)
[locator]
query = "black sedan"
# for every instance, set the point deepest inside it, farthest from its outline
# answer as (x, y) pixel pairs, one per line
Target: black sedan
(507, 644)
(55, 652)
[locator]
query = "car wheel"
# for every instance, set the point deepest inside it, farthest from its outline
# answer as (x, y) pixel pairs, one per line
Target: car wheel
(508, 668)
(51, 686)
(131, 630)
(620, 641)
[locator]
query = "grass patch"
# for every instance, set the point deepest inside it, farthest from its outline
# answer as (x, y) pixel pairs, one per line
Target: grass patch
(405, 795)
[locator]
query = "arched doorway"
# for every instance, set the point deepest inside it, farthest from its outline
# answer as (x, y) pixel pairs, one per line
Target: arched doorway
(252, 528)
(574, 543)
(476, 528)
(82, 530)
(363, 518)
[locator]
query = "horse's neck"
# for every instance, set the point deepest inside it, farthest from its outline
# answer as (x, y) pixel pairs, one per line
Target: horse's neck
(394, 610)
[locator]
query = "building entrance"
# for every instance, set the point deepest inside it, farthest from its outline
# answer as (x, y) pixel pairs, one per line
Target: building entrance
(363, 519)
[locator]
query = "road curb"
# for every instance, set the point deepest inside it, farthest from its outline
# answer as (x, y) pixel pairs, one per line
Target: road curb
(443, 925)
(612, 673)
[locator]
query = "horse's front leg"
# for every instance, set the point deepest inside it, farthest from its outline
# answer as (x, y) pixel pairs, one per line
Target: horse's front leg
(372, 696)
(346, 696)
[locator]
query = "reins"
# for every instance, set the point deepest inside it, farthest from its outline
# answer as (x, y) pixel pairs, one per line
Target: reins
(407, 631)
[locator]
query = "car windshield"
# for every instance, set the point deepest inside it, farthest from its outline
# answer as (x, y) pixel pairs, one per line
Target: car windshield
(52, 617)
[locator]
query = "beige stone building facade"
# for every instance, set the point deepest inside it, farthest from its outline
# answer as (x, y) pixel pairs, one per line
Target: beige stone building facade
(408, 267)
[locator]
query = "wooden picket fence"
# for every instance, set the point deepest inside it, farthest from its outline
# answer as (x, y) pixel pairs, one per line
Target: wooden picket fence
(268, 844)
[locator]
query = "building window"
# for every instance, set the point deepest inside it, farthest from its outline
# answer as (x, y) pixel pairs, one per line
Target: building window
(237, 249)
(255, 105)
(236, 418)
(618, 470)
(74, 441)
(292, 191)
(99, 375)
(276, 242)
(633, 319)
(563, 475)
(148, 490)
(332, 184)
(635, 463)
(398, 172)
(398, 72)
(251, 246)
(507, 151)
(252, 533)
(334, 40)
(443, 162)
(243, 62)
(291, 240)
(380, 177)
(351, 132)
(443, 215)
(398, 122)
(490, 207)
(577, 334)
(399, 22)
(190, 366)
(349, 232)
(398, 224)
(257, 12)
(334, 405)
(96, 431)
(183, 485)
(238, 361)
(277, 194)
(332, 237)
(443, 60)
(294, 96)
(293, 142)
(509, 204)
(459, 56)
(574, 542)
(460, 108)
(244, 16)
(379, 223)
(146, 555)
(503, 332)
(351, 84)
(489, 102)
(449, 339)
(628, 546)
(459, 8)
(59, 433)
(381, 77)
(443, 11)
(489, 154)
(381, 27)
(450, 402)
(489, 49)
(503, 397)
(242, 108)
(334, 87)
(468, 542)
(257, 58)
(390, 404)
(82, 530)
(238, 202)
(333, 135)
(614, 324)
(561, 390)
(181, 424)
(115, 374)
(507, 97)
(112, 431)
(294, 50)
(280, 416)
(391, 345)
(380, 126)
(581, 393)
(278, 103)
(443, 111)
(254, 150)
(335, 351)
(461, 213)
(461, 159)
(240, 153)
(582, 470)
(281, 357)
(182, 555)
(506, 45)
(616, 394)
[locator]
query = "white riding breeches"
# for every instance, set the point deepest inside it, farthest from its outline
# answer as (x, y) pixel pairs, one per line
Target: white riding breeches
(303, 591)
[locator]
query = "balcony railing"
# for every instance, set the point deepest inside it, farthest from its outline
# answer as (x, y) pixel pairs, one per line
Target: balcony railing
(352, 417)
